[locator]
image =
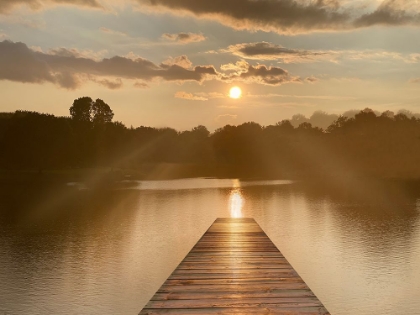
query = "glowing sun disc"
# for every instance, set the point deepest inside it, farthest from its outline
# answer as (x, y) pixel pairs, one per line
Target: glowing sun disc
(235, 92)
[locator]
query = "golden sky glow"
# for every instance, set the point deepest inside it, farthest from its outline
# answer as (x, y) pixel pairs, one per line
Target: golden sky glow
(170, 62)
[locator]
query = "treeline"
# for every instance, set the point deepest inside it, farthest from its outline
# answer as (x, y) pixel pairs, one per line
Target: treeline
(384, 145)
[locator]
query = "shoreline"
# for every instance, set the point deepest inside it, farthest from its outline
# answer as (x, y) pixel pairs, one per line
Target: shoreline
(109, 175)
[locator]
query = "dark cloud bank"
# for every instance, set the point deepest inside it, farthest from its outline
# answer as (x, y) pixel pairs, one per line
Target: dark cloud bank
(20, 63)
(282, 16)
(68, 69)
(293, 16)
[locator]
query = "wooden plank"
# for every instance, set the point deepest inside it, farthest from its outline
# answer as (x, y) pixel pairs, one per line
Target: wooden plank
(249, 302)
(233, 254)
(235, 260)
(283, 310)
(231, 294)
(205, 268)
(216, 289)
(259, 280)
(234, 269)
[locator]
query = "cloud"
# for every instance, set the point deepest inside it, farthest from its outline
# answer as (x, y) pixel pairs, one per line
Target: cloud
(112, 32)
(67, 80)
(311, 79)
(201, 96)
(65, 68)
(26, 20)
(141, 85)
(75, 53)
(240, 65)
(7, 5)
(69, 68)
(380, 55)
(283, 16)
(413, 58)
(266, 75)
(415, 80)
(391, 13)
(211, 95)
(376, 55)
(112, 85)
(184, 38)
(293, 16)
(181, 61)
(269, 51)
(190, 96)
(317, 97)
(19, 63)
(261, 74)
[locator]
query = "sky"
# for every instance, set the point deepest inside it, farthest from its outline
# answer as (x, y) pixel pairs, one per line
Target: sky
(171, 63)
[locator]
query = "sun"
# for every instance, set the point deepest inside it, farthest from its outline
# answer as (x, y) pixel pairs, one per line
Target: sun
(235, 92)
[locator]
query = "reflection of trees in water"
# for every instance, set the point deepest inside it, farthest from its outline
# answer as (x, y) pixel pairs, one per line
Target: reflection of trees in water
(146, 233)
(97, 241)
(376, 218)
(363, 244)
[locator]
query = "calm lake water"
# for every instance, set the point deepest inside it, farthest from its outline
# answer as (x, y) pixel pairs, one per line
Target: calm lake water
(356, 244)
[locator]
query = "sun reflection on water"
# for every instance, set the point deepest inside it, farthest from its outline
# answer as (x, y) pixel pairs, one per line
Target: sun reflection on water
(236, 202)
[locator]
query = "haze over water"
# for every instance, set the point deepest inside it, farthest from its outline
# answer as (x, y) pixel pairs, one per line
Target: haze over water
(108, 253)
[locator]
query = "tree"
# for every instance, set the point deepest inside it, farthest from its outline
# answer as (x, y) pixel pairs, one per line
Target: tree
(366, 116)
(86, 110)
(298, 119)
(388, 114)
(200, 131)
(81, 109)
(307, 128)
(101, 112)
(285, 126)
(339, 124)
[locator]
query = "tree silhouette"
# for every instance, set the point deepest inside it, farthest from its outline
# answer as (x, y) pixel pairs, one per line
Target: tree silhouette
(383, 145)
(101, 113)
(298, 119)
(338, 125)
(284, 127)
(85, 110)
(80, 111)
(307, 128)
(200, 131)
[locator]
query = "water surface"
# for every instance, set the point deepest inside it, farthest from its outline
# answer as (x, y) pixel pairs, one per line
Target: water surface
(357, 245)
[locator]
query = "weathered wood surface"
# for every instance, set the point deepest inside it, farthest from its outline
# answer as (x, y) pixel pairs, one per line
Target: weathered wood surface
(234, 269)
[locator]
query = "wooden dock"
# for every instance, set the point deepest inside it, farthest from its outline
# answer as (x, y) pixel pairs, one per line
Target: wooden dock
(234, 269)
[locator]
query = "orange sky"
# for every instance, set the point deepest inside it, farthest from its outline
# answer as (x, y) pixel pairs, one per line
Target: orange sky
(173, 62)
